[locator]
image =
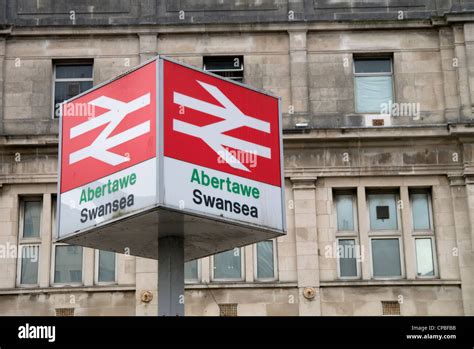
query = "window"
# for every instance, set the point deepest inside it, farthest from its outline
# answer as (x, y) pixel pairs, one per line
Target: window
(348, 255)
(265, 268)
(191, 272)
(29, 265)
(348, 252)
(373, 83)
(67, 260)
(423, 233)
(424, 257)
(228, 266)
(421, 211)
(30, 217)
(383, 211)
(386, 261)
(29, 241)
(105, 267)
(345, 211)
(67, 264)
(231, 67)
(385, 234)
(70, 79)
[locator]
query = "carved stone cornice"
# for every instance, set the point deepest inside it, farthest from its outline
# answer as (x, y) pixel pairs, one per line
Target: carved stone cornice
(456, 179)
(303, 182)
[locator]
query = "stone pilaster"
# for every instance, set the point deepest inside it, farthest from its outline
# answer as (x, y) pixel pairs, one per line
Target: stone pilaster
(460, 53)
(147, 46)
(299, 74)
(307, 260)
(146, 280)
(2, 80)
(462, 192)
(469, 51)
(452, 103)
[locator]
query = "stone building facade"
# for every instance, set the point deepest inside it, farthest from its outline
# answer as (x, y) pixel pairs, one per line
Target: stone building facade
(396, 185)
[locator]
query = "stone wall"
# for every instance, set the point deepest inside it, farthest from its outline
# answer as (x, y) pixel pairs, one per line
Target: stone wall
(302, 51)
(144, 12)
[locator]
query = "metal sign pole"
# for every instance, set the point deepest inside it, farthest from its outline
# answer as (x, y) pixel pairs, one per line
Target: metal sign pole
(171, 276)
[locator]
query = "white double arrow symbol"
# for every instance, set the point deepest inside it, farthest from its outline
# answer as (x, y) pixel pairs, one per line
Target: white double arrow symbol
(118, 110)
(212, 134)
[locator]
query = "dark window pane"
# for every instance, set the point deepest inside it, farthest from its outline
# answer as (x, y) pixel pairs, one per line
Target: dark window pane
(73, 71)
(230, 67)
(383, 65)
(386, 257)
(225, 62)
(191, 270)
(106, 266)
(67, 90)
(68, 264)
(345, 212)
(29, 265)
(265, 265)
(383, 200)
(347, 258)
(420, 211)
(31, 219)
(382, 212)
(227, 265)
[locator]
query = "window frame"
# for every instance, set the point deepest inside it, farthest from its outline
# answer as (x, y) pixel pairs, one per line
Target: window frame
(426, 191)
(65, 62)
(96, 269)
(53, 267)
(242, 268)
(21, 227)
(352, 192)
(20, 262)
(275, 261)
(374, 233)
(217, 71)
(433, 254)
(198, 279)
(355, 75)
(35, 241)
(424, 234)
(358, 263)
(402, 258)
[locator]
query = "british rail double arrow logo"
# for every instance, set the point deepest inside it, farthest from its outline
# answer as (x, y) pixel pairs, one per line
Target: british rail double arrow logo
(118, 110)
(213, 134)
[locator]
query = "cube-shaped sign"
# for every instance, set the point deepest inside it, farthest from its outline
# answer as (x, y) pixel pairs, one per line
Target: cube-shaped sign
(167, 149)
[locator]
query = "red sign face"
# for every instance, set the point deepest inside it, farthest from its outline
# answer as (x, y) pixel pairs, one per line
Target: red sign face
(219, 125)
(109, 129)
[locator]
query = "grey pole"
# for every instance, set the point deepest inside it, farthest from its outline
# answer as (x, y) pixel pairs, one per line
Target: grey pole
(171, 276)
